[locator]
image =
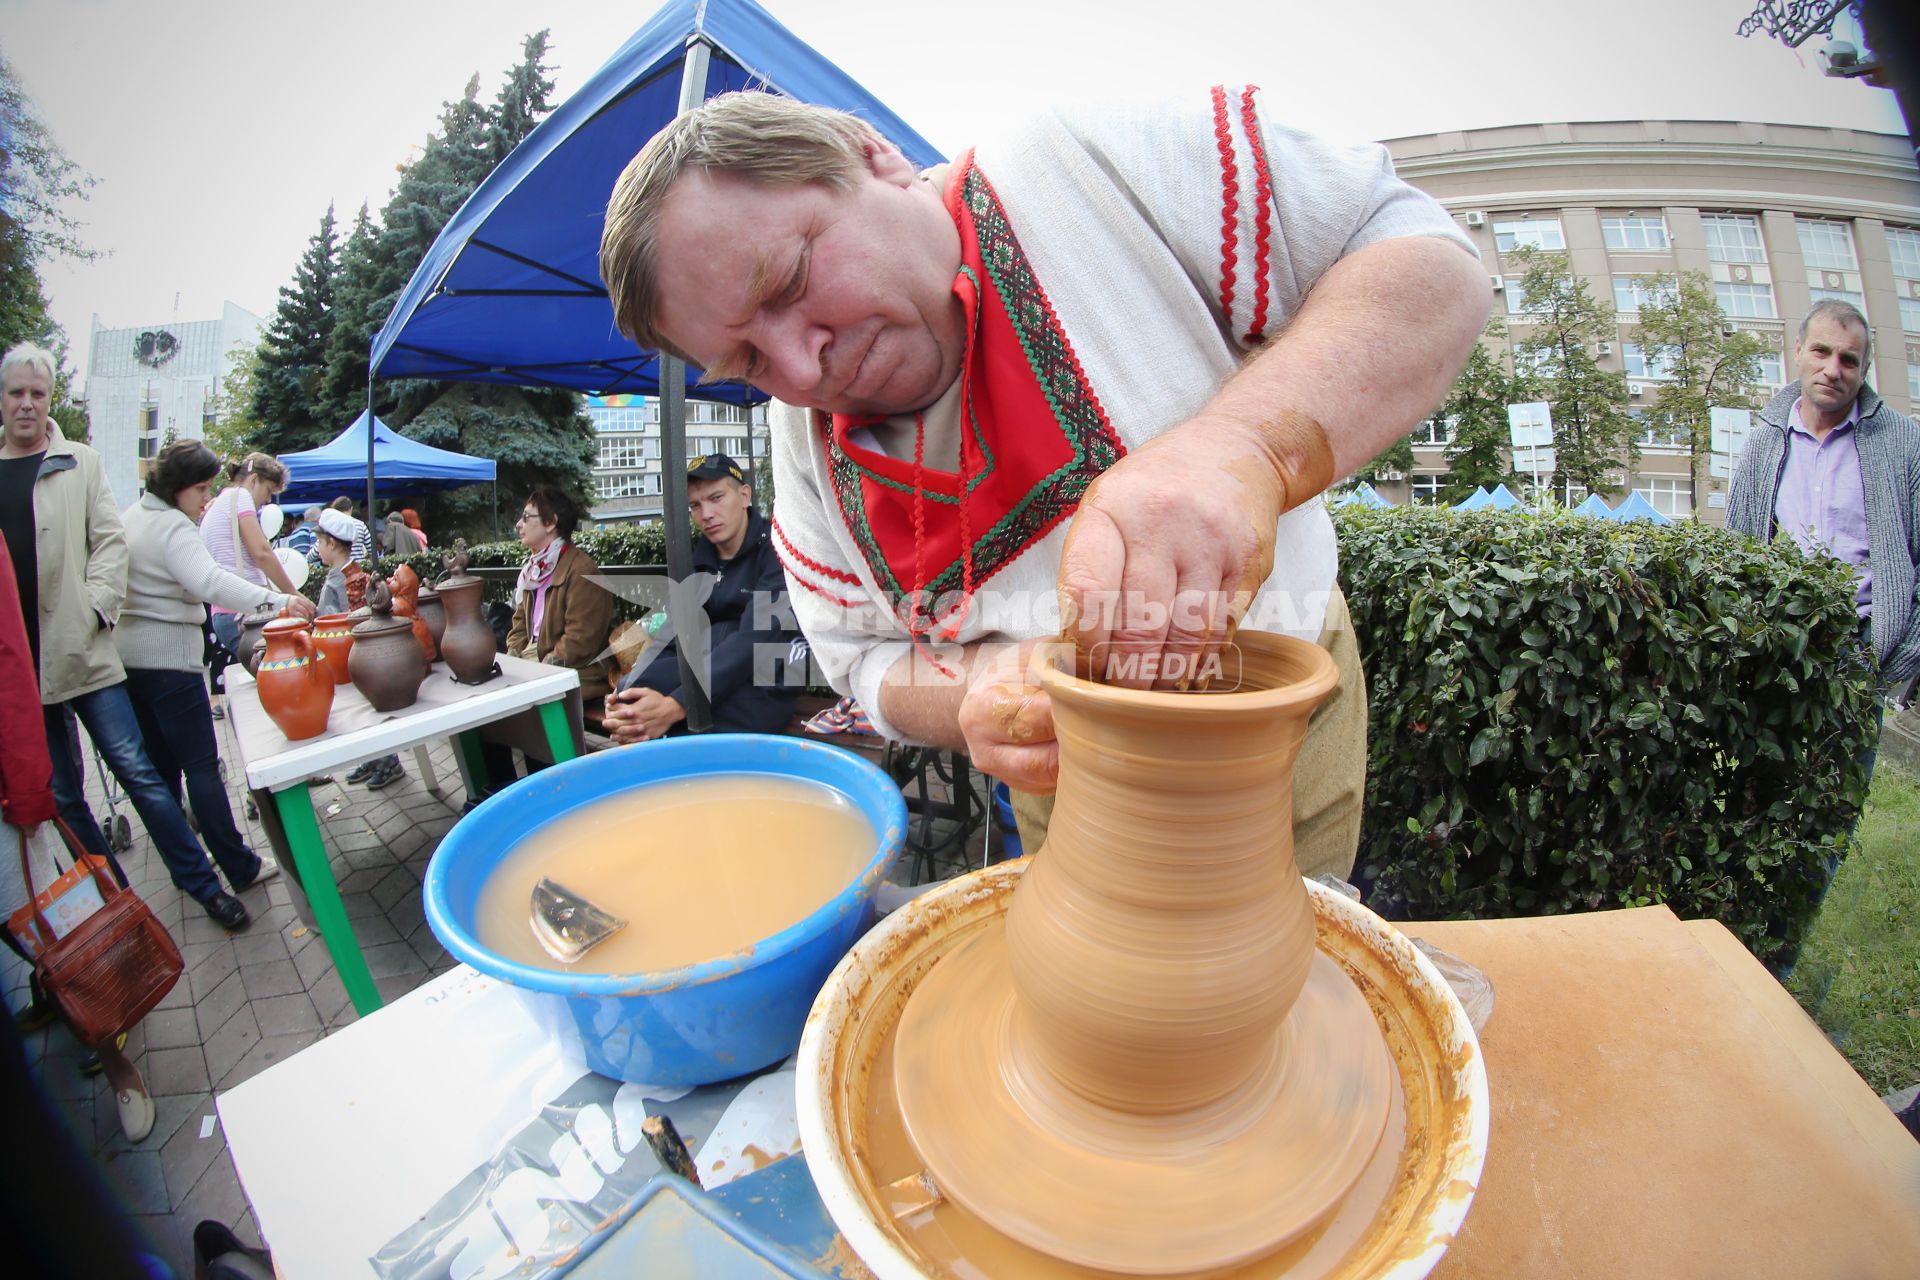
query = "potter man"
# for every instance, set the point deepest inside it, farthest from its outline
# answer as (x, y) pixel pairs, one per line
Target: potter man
(1123, 353)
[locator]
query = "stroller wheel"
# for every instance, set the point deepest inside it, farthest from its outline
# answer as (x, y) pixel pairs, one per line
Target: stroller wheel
(120, 833)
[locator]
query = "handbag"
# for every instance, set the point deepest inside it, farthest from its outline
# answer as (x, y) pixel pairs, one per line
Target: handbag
(108, 970)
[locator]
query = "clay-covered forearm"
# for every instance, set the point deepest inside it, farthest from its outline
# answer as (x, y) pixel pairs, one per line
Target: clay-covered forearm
(1370, 353)
(922, 701)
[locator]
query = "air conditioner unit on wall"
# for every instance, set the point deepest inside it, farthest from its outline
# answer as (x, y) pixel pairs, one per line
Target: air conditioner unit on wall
(1728, 328)
(1499, 285)
(1476, 219)
(1636, 388)
(1603, 348)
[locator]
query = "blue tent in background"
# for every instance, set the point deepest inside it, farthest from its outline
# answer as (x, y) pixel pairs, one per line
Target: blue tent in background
(1503, 499)
(1476, 500)
(1594, 506)
(1362, 495)
(400, 466)
(510, 292)
(1637, 507)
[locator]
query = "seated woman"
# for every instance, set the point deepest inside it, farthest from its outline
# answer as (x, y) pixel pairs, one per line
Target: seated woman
(170, 575)
(559, 617)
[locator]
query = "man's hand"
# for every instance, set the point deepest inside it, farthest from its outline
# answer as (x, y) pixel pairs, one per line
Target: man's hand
(641, 715)
(1167, 551)
(1008, 721)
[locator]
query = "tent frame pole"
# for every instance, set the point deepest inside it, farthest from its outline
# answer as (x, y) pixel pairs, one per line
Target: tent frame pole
(371, 435)
(673, 448)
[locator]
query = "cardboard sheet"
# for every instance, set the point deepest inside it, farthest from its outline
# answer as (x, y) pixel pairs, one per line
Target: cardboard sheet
(1659, 1111)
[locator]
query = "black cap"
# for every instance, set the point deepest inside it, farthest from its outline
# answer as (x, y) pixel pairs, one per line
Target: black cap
(715, 466)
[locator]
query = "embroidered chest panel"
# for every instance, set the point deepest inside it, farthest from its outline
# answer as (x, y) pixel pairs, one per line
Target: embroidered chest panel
(1033, 432)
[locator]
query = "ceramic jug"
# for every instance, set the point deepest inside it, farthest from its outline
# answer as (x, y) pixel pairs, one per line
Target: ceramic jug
(333, 636)
(386, 662)
(467, 644)
(248, 653)
(428, 609)
(296, 688)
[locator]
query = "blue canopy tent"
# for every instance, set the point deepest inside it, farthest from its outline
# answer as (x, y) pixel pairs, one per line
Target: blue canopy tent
(1362, 495)
(1596, 506)
(1637, 507)
(511, 292)
(1475, 501)
(400, 465)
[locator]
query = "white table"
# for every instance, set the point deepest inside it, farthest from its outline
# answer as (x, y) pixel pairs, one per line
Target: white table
(356, 733)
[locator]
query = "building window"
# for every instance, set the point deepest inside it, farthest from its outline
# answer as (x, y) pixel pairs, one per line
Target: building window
(1630, 293)
(1635, 235)
(1645, 364)
(1913, 386)
(1904, 247)
(1668, 494)
(1733, 237)
(1745, 301)
(1515, 295)
(1426, 488)
(1772, 370)
(1910, 314)
(1656, 437)
(1826, 245)
(1433, 433)
(1530, 233)
(1534, 360)
(1840, 295)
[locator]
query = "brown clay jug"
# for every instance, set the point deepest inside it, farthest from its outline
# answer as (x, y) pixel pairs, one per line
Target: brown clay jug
(386, 662)
(467, 643)
(428, 609)
(296, 689)
(333, 636)
(251, 624)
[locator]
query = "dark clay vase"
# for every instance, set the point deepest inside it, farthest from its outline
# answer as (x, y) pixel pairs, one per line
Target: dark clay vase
(466, 643)
(385, 662)
(430, 611)
(296, 689)
(251, 640)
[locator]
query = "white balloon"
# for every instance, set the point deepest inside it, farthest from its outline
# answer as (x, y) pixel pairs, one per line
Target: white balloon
(294, 563)
(271, 518)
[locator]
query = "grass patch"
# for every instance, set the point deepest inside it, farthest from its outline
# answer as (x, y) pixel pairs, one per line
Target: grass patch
(1859, 974)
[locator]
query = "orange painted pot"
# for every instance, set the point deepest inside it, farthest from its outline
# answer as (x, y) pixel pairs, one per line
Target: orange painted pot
(296, 687)
(333, 636)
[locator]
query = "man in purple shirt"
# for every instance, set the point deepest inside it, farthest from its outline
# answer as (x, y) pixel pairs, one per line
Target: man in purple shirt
(1837, 469)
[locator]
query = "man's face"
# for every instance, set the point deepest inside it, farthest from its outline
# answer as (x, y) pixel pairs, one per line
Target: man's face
(1833, 363)
(25, 397)
(720, 508)
(828, 299)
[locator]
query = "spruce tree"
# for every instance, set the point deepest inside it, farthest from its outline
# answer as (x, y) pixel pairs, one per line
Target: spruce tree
(1480, 450)
(1707, 362)
(292, 361)
(1593, 433)
(524, 100)
(343, 381)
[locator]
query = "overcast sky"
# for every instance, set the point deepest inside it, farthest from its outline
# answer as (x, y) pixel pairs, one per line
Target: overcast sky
(219, 130)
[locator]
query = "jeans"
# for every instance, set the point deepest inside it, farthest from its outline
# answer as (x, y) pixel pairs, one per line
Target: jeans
(108, 715)
(176, 723)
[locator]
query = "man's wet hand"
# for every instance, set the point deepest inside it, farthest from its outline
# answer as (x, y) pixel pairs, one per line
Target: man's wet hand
(1007, 719)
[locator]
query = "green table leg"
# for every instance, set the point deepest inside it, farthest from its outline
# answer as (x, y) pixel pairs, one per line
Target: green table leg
(553, 718)
(473, 762)
(316, 878)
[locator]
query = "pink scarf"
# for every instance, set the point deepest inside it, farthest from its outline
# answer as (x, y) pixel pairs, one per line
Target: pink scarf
(534, 576)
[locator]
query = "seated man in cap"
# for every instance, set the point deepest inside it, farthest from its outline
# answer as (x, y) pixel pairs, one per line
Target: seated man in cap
(753, 640)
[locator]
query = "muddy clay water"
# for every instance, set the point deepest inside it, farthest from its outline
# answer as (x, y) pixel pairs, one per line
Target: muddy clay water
(698, 867)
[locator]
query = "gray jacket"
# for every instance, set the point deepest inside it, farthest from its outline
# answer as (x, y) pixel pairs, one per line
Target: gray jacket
(1889, 446)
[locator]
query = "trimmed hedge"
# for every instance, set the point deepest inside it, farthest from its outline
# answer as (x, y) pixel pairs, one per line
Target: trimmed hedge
(1570, 715)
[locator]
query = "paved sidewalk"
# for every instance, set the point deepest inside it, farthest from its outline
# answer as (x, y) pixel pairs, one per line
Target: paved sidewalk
(251, 999)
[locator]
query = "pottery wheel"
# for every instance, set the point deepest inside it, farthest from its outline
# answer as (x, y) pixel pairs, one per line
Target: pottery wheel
(1126, 1192)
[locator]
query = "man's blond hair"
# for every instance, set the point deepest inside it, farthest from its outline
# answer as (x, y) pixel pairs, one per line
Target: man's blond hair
(759, 136)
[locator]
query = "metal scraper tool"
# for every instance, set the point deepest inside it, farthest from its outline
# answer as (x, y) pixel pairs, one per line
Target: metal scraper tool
(567, 925)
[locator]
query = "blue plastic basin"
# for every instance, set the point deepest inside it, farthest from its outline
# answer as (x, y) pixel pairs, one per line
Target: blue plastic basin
(701, 1022)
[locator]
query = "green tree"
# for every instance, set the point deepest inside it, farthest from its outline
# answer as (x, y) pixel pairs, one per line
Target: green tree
(38, 184)
(1593, 432)
(343, 380)
(1479, 451)
(1391, 463)
(1707, 361)
(235, 430)
(524, 100)
(292, 360)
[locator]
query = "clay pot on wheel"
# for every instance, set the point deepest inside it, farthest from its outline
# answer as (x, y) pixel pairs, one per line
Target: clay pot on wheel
(467, 643)
(333, 636)
(385, 662)
(296, 689)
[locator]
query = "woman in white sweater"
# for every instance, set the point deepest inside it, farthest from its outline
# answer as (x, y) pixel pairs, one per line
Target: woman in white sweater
(170, 576)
